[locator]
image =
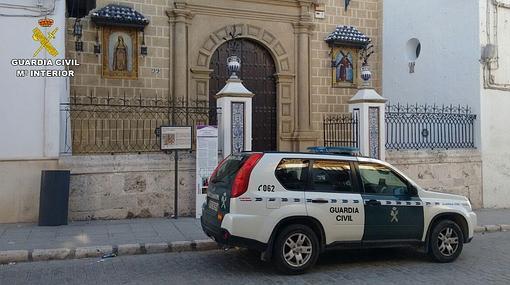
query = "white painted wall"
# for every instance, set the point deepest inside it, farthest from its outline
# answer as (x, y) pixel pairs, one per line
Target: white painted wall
(495, 104)
(446, 72)
(29, 113)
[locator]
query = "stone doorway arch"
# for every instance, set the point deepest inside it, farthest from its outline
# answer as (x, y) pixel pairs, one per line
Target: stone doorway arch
(258, 74)
(284, 74)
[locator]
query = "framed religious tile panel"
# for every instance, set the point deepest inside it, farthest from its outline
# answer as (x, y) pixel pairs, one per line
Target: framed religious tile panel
(344, 65)
(120, 53)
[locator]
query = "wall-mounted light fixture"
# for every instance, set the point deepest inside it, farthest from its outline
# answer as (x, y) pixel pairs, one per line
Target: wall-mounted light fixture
(78, 46)
(77, 28)
(78, 32)
(97, 45)
(143, 48)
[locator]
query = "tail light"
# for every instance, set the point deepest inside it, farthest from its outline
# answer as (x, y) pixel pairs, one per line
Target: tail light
(240, 184)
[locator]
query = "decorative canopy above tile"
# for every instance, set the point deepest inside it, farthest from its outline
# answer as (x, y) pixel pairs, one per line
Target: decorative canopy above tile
(121, 16)
(347, 36)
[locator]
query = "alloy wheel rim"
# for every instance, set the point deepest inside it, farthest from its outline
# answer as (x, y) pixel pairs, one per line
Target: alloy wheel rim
(448, 241)
(297, 249)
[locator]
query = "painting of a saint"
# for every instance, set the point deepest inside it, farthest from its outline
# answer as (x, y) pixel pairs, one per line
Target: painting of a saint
(120, 55)
(120, 59)
(344, 68)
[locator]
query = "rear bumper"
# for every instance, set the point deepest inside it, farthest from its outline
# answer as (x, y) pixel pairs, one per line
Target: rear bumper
(222, 236)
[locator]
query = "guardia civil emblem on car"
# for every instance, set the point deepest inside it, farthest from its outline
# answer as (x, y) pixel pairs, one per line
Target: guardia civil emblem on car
(394, 214)
(291, 207)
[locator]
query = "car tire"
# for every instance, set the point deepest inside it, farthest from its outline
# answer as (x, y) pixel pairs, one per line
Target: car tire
(446, 241)
(296, 249)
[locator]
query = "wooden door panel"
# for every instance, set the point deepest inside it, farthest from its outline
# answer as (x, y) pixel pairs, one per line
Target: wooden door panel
(257, 72)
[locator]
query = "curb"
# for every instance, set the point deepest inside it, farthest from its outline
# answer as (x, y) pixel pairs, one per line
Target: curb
(14, 256)
(492, 228)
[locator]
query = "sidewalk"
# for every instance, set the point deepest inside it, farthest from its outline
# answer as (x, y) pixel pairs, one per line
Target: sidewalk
(100, 233)
(29, 242)
(493, 216)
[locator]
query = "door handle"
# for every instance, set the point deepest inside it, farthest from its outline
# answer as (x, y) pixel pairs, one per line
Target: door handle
(320, 201)
(373, 203)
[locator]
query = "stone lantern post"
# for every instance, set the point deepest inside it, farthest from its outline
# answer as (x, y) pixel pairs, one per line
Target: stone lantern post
(235, 120)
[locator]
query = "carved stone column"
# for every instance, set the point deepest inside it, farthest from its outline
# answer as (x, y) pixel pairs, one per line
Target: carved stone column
(303, 136)
(303, 30)
(181, 17)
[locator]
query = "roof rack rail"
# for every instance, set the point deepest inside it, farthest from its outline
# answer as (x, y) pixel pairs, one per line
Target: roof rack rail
(342, 150)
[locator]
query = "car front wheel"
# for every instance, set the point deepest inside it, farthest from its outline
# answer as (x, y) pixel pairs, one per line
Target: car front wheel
(296, 249)
(446, 241)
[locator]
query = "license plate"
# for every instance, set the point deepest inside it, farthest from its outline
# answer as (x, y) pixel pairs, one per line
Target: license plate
(213, 205)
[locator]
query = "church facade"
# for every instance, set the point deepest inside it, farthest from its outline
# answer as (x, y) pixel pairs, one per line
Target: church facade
(285, 59)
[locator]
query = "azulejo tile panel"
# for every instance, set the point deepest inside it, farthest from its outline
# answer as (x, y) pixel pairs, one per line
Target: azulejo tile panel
(237, 126)
(373, 132)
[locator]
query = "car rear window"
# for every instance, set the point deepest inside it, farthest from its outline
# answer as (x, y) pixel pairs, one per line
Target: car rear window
(229, 168)
(292, 173)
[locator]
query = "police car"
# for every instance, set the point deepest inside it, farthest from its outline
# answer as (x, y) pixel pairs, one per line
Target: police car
(293, 206)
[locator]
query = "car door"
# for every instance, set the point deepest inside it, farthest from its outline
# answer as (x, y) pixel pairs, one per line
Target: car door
(393, 210)
(334, 200)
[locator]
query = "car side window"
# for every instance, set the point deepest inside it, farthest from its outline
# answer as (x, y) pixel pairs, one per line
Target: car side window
(380, 180)
(331, 176)
(292, 173)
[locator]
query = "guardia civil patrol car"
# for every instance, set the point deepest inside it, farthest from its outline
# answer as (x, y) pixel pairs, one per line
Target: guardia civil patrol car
(293, 206)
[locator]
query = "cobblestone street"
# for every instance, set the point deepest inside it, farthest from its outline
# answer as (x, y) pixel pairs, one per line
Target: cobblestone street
(484, 261)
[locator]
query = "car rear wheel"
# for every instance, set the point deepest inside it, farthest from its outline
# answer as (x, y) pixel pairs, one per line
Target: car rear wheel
(296, 249)
(446, 241)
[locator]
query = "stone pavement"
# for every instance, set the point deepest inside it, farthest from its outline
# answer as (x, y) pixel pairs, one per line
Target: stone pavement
(99, 233)
(484, 261)
(27, 242)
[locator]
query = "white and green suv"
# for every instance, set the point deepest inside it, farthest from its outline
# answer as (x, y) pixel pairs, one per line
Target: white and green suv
(293, 206)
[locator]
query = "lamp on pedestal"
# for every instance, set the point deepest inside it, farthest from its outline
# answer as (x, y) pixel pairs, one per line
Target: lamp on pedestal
(235, 122)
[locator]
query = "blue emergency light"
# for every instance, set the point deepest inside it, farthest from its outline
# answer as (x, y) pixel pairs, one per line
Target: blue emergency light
(342, 150)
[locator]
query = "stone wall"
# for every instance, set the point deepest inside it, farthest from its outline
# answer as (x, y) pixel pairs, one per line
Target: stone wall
(449, 171)
(366, 16)
(153, 69)
(129, 186)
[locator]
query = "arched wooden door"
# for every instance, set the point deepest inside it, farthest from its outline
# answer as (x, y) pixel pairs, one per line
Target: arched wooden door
(257, 73)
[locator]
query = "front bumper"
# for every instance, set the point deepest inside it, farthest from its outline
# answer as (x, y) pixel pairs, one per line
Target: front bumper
(472, 224)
